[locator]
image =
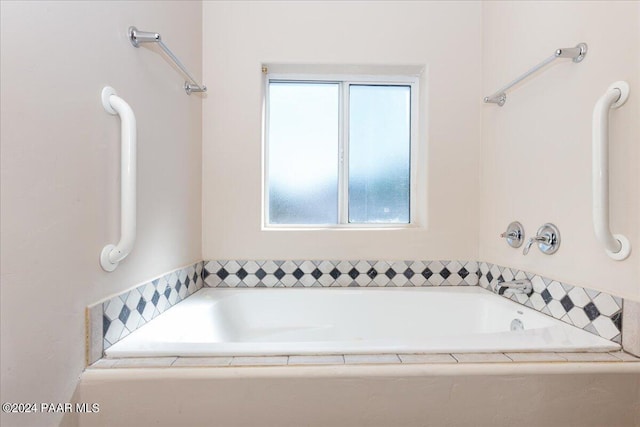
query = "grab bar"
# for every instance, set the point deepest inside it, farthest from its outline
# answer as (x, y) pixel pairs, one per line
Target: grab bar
(111, 255)
(616, 246)
(576, 53)
(136, 37)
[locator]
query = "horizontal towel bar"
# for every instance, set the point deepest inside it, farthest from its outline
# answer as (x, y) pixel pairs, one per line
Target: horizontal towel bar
(136, 37)
(576, 53)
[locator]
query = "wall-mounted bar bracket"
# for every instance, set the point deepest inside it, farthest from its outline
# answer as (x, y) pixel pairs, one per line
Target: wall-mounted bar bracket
(577, 54)
(136, 37)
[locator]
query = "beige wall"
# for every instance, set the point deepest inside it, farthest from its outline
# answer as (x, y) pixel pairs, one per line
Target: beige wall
(445, 37)
(60, 172)
(536, 150)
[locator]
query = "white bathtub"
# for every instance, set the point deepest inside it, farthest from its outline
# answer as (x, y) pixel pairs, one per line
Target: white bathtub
(234, 322)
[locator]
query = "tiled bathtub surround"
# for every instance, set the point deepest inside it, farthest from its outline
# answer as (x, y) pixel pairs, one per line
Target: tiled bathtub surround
(112, 320)
(235, 273)
(593, 311)
(126, 312)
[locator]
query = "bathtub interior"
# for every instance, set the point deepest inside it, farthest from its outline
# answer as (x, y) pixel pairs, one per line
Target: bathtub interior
(277, 321)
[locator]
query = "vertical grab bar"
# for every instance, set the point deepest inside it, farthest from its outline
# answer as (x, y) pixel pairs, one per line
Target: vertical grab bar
(616, 246)
(111, 255)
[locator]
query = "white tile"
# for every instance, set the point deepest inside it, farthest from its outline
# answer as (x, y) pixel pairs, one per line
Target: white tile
(173, 297)
(317, 360)
(259, 360)
(182, 293)
(606, 304)
(144, 362)
(344, 267)
(147, 291)
(399, 266)
(589, 357)
(481, 357)
(537, 302)
(289, 267)
(182, 275)
(288, 280)
(399, 279)
(343, 280)
(269, 267)
(417, 266)
(213, 280)
(133, 321)
(202, 361)
(538, 284)
(363, 280)
(535, 357)
(556, 309)
(326, 280)
(427, 358)
(232, 280)
(251, 267)
(435, 280)
(113, 308)
(556, 290)
(363, 266)
(578, 317)
(605, 327)
(115, 331)
(507, 275)
(308, 280)
(325, 267)
(232, 267)
(454, 266)
(418, 279)
(147, 313)
(435, 267)
(308, 267)
(579, 297)
(212, 266)
(270, 280)
(520, 275)
(251, 280)
(381, 279)
(352, 359)
(171, 279)
(162, 285)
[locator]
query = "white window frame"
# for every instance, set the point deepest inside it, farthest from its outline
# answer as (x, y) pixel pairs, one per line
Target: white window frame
(344, 81)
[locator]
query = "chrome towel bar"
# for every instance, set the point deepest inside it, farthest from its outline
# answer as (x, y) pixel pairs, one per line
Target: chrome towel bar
(136, 37)
(576, 53)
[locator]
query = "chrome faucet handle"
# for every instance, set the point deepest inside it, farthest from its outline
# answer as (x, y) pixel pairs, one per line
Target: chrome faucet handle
(514, 234)
(547, 238)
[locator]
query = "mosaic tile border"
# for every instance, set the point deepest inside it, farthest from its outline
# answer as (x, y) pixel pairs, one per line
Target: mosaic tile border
(305, 273)
(594, 311)
(117, 317)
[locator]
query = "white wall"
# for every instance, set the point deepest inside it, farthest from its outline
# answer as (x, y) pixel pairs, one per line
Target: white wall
(445, 37)
(536, 152)
(60, 175)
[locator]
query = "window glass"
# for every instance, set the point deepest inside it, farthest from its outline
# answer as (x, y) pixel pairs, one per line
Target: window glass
(302, 154)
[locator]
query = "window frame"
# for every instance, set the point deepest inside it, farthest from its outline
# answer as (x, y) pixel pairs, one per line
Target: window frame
(344, 82)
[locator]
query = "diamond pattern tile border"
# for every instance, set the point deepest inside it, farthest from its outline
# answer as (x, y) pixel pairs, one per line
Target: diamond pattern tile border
(593, 311)
(131, 309)
(273, 273)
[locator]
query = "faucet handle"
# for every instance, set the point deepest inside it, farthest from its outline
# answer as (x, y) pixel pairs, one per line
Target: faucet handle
(514, 234)
(547, 238)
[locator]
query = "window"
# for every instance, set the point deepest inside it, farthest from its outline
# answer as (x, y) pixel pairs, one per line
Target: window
(338, 150)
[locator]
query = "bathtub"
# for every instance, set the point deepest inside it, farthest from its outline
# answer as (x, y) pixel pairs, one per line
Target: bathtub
(288, 321)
